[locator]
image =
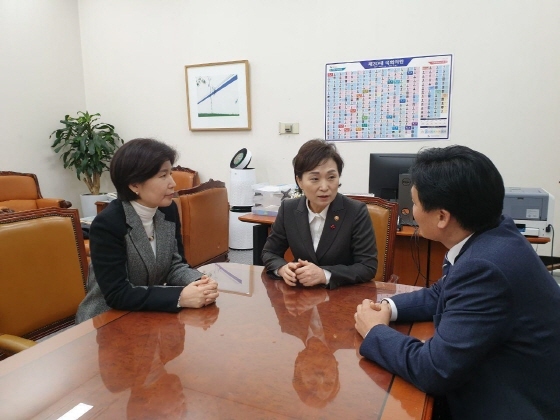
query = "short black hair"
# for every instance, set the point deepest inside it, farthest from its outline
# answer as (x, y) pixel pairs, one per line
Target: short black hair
(462, 181)
(137, 161)
(312, 154)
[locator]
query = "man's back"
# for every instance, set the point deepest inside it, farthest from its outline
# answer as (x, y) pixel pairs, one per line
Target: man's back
(518, 373)
(495, 351)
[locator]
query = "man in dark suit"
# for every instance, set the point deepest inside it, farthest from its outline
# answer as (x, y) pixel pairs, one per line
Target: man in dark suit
(331, 236)
(495, 353)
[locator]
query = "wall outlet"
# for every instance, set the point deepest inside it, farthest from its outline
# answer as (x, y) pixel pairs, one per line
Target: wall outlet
(288, 128)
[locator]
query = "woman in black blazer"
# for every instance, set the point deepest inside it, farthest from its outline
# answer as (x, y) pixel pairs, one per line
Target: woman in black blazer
(137, 258)
(330, 235)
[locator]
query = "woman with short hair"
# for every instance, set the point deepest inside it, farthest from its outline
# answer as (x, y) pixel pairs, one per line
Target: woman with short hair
(137, 256)
(331, 236)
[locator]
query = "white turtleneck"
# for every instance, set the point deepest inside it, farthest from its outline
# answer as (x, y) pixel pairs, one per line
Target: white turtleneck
(146, 215)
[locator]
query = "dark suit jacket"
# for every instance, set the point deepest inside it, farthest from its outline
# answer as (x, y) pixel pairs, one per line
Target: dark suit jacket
(495, 353)
(124, 272)
(347, 246)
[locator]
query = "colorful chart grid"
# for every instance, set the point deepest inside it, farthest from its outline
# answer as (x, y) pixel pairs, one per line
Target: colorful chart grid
(391, 99)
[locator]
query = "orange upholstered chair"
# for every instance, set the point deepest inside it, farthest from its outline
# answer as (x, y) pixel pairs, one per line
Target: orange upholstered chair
(43, 272)
(204, 212)
(383, 216)
(185, 178)
(20, 191)
(204, 217)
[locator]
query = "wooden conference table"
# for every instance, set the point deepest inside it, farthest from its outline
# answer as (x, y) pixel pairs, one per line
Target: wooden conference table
(264, 350)
(417, 260)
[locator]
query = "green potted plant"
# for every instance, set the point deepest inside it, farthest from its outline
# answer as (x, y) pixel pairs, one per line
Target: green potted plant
(87, 147)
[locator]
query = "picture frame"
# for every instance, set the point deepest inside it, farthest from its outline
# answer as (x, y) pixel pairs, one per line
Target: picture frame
(218, 96)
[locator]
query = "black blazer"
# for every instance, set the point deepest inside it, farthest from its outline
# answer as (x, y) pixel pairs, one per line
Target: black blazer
(347, 247)
(124, 272)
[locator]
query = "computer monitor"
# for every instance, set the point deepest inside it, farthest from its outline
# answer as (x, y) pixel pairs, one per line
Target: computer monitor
(389, 179)
(384, 171)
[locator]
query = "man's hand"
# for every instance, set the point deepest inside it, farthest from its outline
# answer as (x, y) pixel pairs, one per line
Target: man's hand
(369, 314)
(308, 274)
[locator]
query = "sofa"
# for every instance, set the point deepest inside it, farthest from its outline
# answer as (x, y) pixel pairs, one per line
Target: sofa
(20, 191)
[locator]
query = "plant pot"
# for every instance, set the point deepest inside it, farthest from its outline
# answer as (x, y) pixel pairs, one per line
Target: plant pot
(89, 209)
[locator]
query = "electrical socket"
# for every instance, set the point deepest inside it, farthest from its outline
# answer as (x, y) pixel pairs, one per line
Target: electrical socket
(288, 128)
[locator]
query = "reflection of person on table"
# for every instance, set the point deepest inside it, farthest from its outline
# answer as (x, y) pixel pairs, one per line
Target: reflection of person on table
(299, 309)
(137, 257)
(331, 236)
(139, 363)
(379, 376)
(495, 352)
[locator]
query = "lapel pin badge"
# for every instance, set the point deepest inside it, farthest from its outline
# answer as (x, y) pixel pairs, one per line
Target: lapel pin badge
(336, 218)
(333, 226)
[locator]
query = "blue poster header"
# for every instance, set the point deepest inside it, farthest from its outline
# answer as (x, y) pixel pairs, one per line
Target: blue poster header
(389, 62)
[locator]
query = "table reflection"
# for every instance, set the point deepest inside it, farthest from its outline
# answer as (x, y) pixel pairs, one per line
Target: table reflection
(139, 364)
(300, 312)
(279, 352)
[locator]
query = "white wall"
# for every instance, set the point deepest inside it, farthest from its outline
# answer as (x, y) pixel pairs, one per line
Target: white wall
(505, 89)
(41, 80)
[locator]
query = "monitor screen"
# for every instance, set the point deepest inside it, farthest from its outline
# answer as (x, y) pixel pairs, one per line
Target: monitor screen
(384, 171)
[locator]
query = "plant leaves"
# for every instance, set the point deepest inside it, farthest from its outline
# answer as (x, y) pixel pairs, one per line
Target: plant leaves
(87, 147)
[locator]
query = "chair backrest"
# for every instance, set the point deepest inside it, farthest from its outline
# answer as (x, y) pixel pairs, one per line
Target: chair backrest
(185, 178)
(43, 271)
(20, 191)
(383, 216)
(204, 212)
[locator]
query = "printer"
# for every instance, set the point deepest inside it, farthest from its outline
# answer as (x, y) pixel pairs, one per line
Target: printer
(532, 209)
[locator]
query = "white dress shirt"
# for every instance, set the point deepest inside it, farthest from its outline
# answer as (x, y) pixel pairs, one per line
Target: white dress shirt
(316, 225)
(451, 255)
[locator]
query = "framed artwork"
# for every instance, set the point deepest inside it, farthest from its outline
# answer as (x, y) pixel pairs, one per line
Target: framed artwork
(218, 96)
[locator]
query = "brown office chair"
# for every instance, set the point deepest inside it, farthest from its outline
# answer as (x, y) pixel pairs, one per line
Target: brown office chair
(43, 274)
(204, 218)
(20, 191)
(185, 178)
(383, 216)
(204, 212)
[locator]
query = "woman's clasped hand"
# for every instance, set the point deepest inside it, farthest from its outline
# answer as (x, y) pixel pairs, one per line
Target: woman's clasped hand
(199, 293)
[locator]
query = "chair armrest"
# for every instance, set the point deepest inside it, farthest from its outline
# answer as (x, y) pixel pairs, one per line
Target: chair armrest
(53, 202)
(14, 344)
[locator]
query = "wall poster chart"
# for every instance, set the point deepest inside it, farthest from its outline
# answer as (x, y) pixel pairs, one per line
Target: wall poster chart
(404, 98)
